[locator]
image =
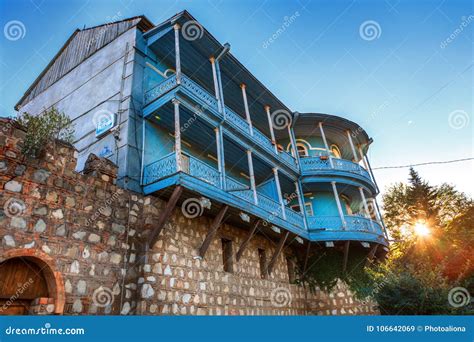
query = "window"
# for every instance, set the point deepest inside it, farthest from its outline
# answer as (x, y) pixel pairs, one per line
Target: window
(291, 270)
(346, 202)
(302, 150)
(335, 151)
(308, 207)
(262, 258)
(227, 260)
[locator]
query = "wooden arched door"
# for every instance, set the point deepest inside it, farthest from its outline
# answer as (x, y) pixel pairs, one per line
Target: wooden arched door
(21, 282)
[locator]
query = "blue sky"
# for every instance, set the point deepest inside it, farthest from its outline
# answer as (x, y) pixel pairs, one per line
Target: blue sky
(407, 86)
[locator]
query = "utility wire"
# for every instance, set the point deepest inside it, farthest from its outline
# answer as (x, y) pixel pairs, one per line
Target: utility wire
(427, 163)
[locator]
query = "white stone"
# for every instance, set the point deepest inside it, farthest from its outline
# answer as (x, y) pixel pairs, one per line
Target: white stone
(9, 241)
(94, 238)
(46, 249)
(186, 298)
(115, 258)
(167, 270)
(68, 286)
(147, 291)
(13, 186)
(125, 309)
(81, 287)
(74, 267)
(77, 306)
(85, 253)
(40, 226)
(58, 214)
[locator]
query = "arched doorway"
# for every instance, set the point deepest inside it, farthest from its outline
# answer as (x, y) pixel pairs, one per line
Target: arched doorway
(29, 284)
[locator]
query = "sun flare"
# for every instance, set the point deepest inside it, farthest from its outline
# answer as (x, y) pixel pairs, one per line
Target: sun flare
(421, 229)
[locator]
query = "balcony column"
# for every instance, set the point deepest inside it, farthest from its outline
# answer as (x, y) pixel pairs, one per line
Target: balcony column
(362, 157)
(221, 89)
(326, 144)
(377, 213)
(354, 153)
(220, 155)
(177, 53)
(280, 197)
(253, 185)
(366, 207)
(293, 144)
(246, 106)
(301, 203)
(216, 83)
(177, 136)
(339, 207)
(270, 124)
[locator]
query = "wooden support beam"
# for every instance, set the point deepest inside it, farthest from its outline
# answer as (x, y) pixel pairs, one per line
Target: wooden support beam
(216, 223)
(246, 242)
(372, 252)
(165, 214)
(278, 250)
(346, 256)
(306, 257)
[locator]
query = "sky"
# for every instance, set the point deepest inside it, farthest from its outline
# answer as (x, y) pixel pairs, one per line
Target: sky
(401, 69)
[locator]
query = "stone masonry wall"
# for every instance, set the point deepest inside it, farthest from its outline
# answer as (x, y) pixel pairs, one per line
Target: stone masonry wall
(91, 234)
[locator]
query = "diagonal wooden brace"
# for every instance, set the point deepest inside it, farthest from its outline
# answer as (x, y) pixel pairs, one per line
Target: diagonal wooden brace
(278, 250)
(246, 242)
(212, 230)
(165, 215)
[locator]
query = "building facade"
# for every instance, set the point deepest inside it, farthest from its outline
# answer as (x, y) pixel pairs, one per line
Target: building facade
(191, 128)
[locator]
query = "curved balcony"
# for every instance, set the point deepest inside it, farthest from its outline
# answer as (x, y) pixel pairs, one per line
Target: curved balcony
(331, 228)
(319, 166)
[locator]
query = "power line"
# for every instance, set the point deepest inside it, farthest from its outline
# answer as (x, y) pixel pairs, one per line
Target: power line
(427, 163)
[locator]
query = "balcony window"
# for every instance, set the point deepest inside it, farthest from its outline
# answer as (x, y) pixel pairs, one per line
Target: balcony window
(227, 255)
(308, 207)
(335, 151)
(346, 202)
(302, 150)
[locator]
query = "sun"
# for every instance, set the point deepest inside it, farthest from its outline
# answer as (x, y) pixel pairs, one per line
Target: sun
(421, 229)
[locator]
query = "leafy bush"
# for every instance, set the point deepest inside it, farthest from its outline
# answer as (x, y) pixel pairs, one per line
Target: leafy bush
(44, 129)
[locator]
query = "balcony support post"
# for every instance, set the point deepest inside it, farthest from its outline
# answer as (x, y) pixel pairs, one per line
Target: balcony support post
(245, 243)
(177, 53)
(142, 173)
(270, 124)
(354, 153)
(366, 208)
(216, 83)
(346, 256)
(280, 197)
(246, 106)
(338, 202)
(301, 203)
(278, 250)
(220, 155)
(253, 186)
(216, 223)
(177, 136)
(372, 174)
(326, 144)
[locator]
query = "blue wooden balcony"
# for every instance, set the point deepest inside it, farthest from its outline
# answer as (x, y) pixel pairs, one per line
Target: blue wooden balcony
(204, 179)
(331, 228)
(320, 167)
(208, 105)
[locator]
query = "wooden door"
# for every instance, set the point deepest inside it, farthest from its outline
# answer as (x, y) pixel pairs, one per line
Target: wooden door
(21, 281)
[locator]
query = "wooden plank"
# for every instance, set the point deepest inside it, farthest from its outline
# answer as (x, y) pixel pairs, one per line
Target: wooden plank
(245, 243)
(306, 257)
(372, 252)
(278, 250)
(165, 214)
(216, 223)
(346, 256)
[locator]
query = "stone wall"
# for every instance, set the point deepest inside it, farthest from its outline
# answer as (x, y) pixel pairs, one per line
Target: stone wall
(88, 235)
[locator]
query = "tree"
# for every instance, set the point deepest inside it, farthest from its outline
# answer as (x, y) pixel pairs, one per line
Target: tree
(422, 269)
